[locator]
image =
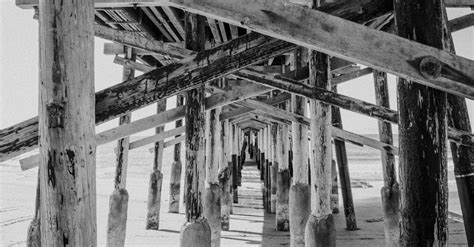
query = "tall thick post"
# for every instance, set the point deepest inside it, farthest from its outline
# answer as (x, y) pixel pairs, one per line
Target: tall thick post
(320, 229)
(334, 189)
(156, 178)
(176, 167)
(343, 168)
(212, 202)
(274, 166)
(225, 177)
(196, 230)
(283, 180)
(33, 237)
(67, 123)
(390, 191)
(422, 134)
(300, 195)
(118, 202)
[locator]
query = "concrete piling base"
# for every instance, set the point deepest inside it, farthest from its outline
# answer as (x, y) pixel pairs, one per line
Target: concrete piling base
(212, 212)
(195, 234)
(390, 204)
(117, 222)
(300, 209)
(320, 231)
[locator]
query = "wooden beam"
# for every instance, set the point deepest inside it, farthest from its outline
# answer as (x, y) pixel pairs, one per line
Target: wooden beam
(172, 50)
(119, 49)
(178, 25)
(461, 22)
(332, 35)
(242, 110)
(176, 167)
(175, 141)
(459, 3)
(161, 83)
(132, 64)
(165, 24)
(214, 30)
(28, 4)
(158, 24)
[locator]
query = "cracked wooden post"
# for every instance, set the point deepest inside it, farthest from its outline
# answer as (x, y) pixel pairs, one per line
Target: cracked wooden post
(390, 191)
(235, 194)
(156, 178)
(196, 232)
(423, 158)
(283, 180)
(225, 177)
(176, 167)
(67, 124)
(343, 169)
(274, 167)
(212, 195)
(118, 202)
(320, 229)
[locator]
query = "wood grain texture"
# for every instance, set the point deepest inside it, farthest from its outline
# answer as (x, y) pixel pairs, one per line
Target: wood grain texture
(66, 124)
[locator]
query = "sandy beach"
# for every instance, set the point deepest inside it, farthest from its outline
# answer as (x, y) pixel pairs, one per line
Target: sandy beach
(250, 226)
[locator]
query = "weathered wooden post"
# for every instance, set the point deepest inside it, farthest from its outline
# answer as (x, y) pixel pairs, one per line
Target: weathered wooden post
(343, 168)
(268, 170)
(196, 231)
(67, 123)
(225, 177)
(390, 191)
(212, 195)
(274, 166)
(334, 189)
(423, 161)
(264, 166)
(118, 202)
(176, 167)
(320, 229)
(283, 180)
(156, 178)
(235, 167)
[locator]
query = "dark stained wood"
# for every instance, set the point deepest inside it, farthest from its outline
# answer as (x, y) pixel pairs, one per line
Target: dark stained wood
(176, 167)
(423, 159)
(66, 124)
(343, 168)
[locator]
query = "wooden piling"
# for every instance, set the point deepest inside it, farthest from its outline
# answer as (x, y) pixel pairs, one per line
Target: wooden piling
(320, 229)
(235, 167)
(176, 167)
(196, 231)
(67, 123)
(390, 191)
(33, 237)
(423, 161)
(343, 169)
(283, 180)
(334, 189)
(118, 201)
(212, 195)
(156, 179)
(225, 177)
(274, 166)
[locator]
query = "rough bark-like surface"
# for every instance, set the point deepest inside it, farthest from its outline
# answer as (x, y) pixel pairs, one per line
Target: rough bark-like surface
(422, 134)
(176, 167)
(282, 204)
(66, 124)
(343, 169)
(390, 191)
(300, 209)
(196, 233)
(226, 201)
(235, 195)
(33, 237)
(274, 166)
(320, 231)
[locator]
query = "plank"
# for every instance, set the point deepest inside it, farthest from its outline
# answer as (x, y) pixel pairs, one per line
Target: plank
(178, 25)
(462, 22)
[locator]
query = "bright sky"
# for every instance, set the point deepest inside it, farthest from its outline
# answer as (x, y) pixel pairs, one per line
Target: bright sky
(19, 72)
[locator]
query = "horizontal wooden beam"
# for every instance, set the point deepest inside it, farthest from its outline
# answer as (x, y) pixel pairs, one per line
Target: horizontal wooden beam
(326, 33)
(334, 99)
(170, 143)
(122, 131)
(156, 138)
(28, 4)
(462, 22)
(459, 3)
(173, 50)
(132, 64)
(243, 110)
